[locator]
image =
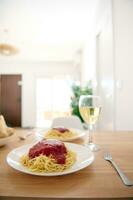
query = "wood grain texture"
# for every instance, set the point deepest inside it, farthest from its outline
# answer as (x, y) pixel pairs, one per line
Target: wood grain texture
(97, 181)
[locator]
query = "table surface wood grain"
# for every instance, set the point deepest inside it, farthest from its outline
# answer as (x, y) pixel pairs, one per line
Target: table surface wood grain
(97, 181)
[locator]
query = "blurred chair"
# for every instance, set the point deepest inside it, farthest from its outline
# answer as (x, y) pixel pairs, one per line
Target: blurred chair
(67, 122)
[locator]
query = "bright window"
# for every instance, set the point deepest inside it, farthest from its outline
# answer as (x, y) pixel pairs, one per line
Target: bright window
(53, 100)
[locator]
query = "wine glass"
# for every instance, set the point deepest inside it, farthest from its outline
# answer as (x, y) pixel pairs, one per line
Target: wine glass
(90, 108)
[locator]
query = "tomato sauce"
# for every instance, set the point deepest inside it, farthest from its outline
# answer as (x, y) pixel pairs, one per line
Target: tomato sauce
(61, 130)
(49, 147)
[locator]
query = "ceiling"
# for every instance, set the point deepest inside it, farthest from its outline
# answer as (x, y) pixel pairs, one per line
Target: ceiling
(46, 29)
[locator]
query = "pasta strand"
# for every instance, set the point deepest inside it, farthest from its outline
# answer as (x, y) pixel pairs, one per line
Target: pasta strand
(48, 164)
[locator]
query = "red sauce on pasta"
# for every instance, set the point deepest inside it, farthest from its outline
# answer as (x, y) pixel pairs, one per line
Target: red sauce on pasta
(61, 130)
(49, 147)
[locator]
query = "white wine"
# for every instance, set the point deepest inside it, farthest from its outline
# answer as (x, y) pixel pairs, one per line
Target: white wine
(90, 114)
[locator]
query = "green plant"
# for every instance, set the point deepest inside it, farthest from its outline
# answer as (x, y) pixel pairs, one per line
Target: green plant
(77, 91)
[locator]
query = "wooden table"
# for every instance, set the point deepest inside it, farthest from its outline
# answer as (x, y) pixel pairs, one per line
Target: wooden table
(97, 181)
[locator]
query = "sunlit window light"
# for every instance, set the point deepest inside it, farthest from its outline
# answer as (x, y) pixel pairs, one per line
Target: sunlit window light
(53, 100)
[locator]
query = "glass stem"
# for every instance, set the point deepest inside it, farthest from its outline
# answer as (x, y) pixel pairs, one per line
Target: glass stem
(90, 133)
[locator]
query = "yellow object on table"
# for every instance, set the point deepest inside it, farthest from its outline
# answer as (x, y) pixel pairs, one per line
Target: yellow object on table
(5, 131)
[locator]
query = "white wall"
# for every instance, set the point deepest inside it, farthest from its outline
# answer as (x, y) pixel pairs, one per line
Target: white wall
(88, 60)
(30, 72)
(98, 62)
(104, 64)
(117, 68)
(123, 41)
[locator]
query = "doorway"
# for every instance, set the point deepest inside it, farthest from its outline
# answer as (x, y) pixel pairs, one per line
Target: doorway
(53, 100)
(10, 99)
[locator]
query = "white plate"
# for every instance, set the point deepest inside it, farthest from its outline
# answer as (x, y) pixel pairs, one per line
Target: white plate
(79, 133)
(84, 158)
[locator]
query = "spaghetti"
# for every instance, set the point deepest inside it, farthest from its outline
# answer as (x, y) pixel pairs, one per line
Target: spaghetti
(60, 133)
(46, 158)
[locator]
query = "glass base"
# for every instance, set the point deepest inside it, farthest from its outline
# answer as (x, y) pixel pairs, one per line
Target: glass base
(93, 147)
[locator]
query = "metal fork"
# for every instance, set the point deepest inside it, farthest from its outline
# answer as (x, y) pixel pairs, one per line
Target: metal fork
(124, 178)
(23, 137)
